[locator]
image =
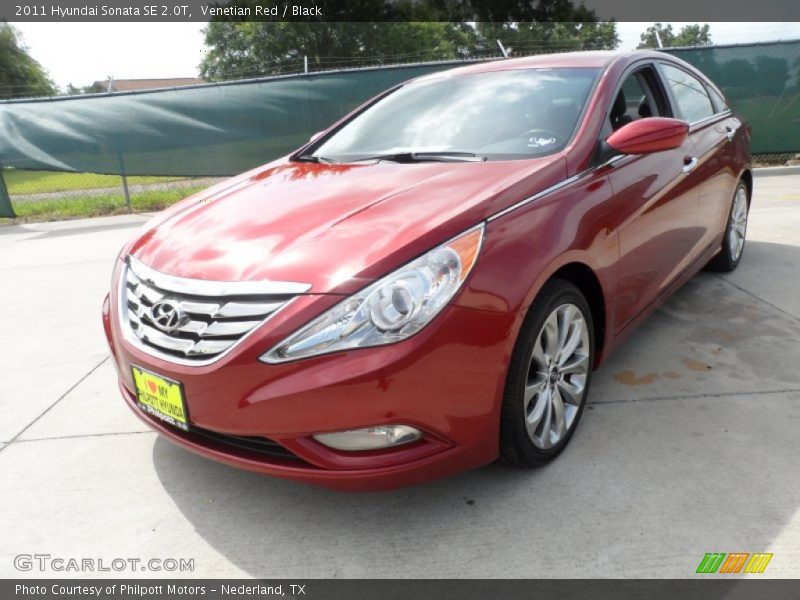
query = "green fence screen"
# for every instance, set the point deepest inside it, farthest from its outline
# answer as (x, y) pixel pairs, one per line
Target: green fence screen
(223, 129)
(762, 82)
(218, 129)
(214, 130)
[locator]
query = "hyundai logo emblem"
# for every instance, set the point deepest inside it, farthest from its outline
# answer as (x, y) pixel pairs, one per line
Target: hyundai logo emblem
(168, 315)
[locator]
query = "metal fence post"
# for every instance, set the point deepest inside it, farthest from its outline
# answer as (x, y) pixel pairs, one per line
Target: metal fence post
(502, 49)
(121, 159)
(6, 210)
(127, 194)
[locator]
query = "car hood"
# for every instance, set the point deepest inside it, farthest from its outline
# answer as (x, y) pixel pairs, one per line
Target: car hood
(332, 226)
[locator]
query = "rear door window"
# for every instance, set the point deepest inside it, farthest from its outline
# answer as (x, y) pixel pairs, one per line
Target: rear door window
(689, 93)
(720, 105)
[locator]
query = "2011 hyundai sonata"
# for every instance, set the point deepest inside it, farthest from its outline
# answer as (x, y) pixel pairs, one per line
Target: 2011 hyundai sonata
(429, 284)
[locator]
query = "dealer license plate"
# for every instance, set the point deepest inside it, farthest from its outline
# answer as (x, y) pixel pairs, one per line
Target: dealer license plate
(161, 397)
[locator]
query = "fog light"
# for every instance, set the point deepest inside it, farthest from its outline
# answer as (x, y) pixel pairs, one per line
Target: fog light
(370, 438)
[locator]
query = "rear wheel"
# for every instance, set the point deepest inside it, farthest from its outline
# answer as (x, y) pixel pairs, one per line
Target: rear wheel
(733, 242)
(549, 376)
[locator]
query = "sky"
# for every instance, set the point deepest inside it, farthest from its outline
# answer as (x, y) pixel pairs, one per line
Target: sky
(81, 53)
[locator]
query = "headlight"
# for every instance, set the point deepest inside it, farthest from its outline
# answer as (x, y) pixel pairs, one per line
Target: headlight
(391, 309)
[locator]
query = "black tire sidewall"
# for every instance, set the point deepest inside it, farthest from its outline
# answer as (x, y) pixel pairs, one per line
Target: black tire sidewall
(724, 261)
(524, 453)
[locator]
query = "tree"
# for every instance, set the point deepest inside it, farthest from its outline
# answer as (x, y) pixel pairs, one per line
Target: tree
(535, 37)
(381, 31)
(20, 75)
(693, 35)
(249, 49)
(78, 90)
(689, 35)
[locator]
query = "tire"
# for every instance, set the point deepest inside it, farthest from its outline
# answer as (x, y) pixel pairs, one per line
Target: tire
(733, 241)
(527, 437)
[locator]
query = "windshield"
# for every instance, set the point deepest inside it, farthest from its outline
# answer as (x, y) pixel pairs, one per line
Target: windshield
(518, 113)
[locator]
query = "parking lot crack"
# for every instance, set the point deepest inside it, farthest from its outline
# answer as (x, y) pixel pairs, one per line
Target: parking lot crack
(84, 435)
(700, 396)
(759, 298)
(59, 399)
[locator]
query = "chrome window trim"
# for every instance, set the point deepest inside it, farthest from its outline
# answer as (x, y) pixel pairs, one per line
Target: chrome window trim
(555, 187)
(251, 288)
(712, 118)
(203, 287)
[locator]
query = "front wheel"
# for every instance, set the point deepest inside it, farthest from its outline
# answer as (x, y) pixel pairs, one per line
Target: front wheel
(733, 242)
(548, 378)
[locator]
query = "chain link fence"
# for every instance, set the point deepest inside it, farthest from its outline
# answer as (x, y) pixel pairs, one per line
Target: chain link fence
(174, 138)
(38, 195)
(42, 195)
(762, 83)
(782, 159)
(170, 142)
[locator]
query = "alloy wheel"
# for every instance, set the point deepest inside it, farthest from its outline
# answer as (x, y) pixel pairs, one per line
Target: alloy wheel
(557, 375)
(738, 225)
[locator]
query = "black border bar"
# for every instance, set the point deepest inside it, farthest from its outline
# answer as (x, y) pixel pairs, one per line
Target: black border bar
(708, 588)
(399, 10)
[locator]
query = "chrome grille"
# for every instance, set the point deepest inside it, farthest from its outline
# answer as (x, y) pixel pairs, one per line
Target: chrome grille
(195, 321)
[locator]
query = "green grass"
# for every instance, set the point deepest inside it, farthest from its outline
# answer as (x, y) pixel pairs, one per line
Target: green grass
(38, 182)
(96, 206)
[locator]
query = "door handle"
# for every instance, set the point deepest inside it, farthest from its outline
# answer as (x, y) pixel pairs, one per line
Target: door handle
(731, 132)
(689, 163)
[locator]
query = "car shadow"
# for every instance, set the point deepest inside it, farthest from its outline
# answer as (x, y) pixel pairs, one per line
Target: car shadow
(8, 227)
(254, 519)
(637, 493)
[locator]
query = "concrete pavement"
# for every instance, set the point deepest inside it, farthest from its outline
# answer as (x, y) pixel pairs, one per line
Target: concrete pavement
(689, 446)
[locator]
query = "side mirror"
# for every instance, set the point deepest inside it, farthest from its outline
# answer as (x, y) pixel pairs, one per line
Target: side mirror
(652, 134)
(315, 137)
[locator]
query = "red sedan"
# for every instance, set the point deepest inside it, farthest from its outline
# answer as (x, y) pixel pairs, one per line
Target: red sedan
(428, 285)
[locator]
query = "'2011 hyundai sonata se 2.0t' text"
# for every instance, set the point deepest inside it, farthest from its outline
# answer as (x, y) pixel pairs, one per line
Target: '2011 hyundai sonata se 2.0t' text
(428, 285)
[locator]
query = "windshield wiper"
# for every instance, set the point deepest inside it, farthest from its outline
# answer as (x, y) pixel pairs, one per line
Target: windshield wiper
(312, 158)
(412, 157)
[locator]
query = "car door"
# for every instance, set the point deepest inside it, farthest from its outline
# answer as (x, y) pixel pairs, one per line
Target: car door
(711, 129)
(656, 200)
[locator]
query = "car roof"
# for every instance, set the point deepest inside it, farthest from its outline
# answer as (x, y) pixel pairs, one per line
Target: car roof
(592, 59)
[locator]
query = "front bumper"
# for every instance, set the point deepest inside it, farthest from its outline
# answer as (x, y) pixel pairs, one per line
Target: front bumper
(446, 381)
